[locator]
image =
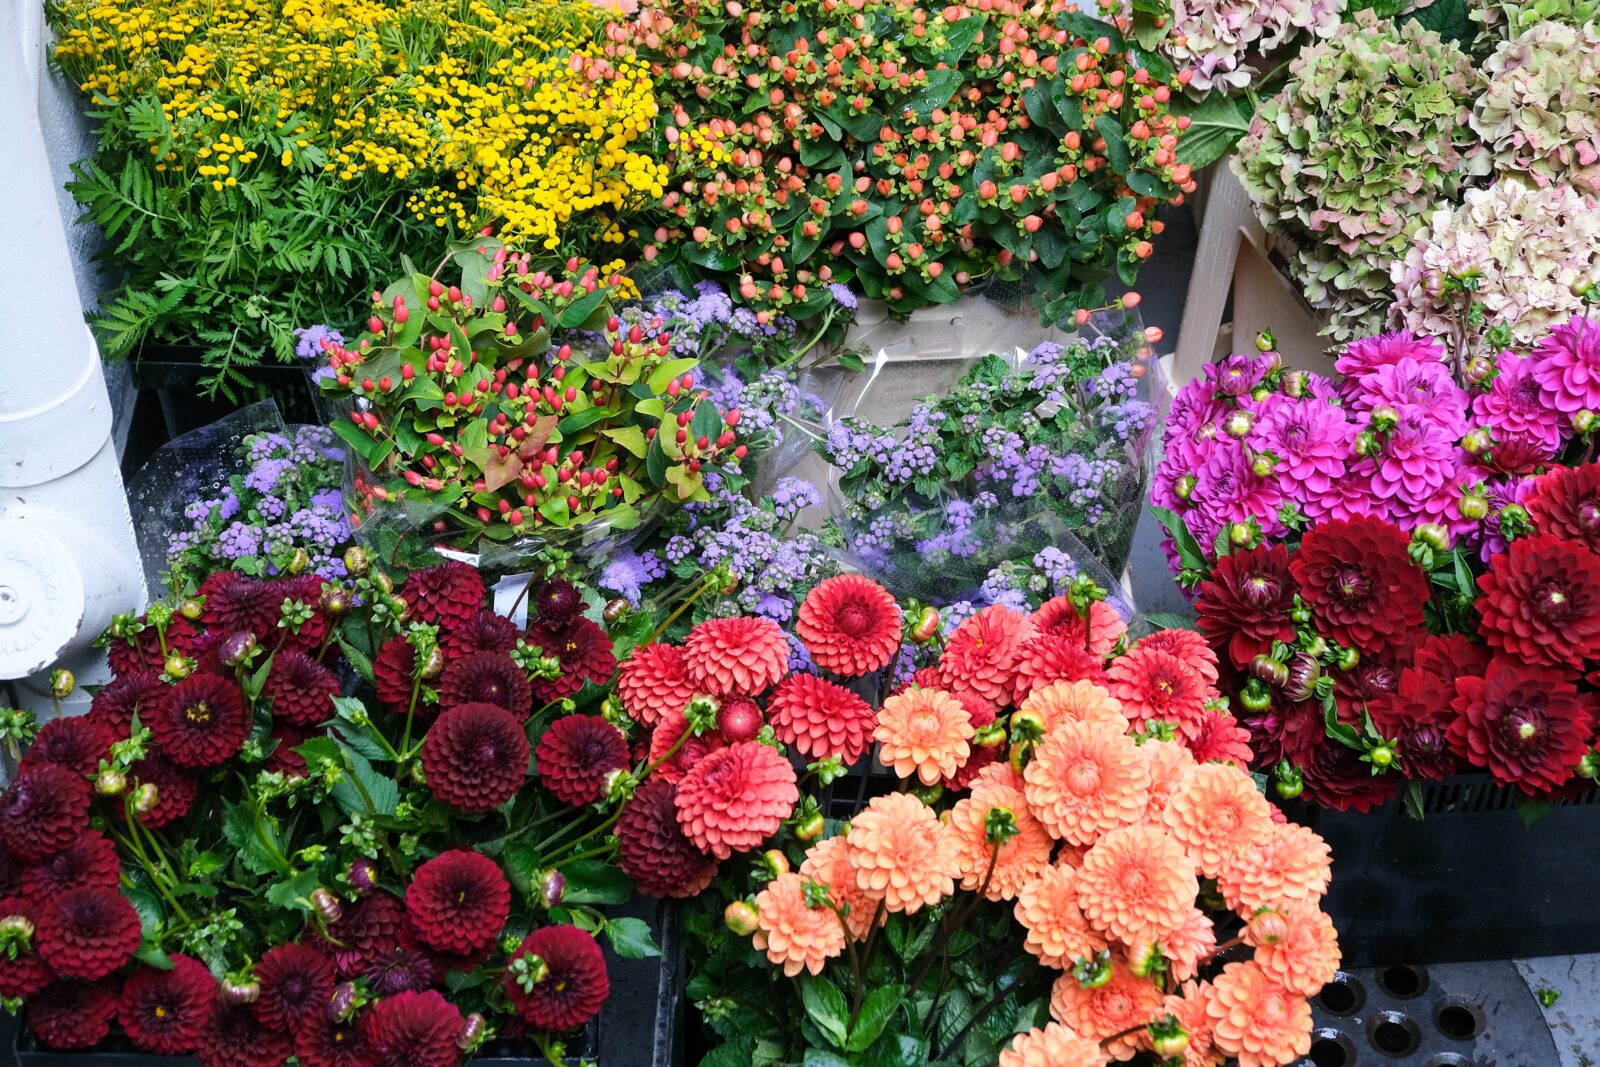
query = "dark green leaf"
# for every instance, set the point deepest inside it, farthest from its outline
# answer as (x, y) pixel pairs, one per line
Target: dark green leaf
(630, 939)
(253, 839)
(577, 313)
(1116, 144)
(826, 1007)
(1167, 620)
(1447, 18)
(594, 882)
(1189, 553)
(877, 1008)
(522, 864)
(851, 361)
(1215, 126)
(362, 785)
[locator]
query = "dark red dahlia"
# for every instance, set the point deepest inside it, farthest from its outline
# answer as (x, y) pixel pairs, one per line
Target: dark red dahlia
(574, 984)
(162, 1011)
(1566, 503)
(1360, 583)
(1445, 657)
(10, 874)
(175, 788)
(72, 1015)
(397, 968)
(23, 972)
(238, 603)
(413, 1030)
(76, 742)
(585, 653)
(231, 1036)
(1335, 777)
(1415, 716)
(204, 724)
(448, 595)
(1540, 600)
(486, 678)
(305, 589)
(577, 754)
(283, 758)
(325, 1042)
(1375, 677)
(364, 928)
(141, 652)
(1286, 731)
(394, 674)
(1526, 723)
(296, 981)
(300, 689)
(114, 707)
(475, 757)
(1244, 606)
(87, 932)
(557, 601)
(652, 848)
(458, 902)
(91, 860)
(484, 632)
(43, 811)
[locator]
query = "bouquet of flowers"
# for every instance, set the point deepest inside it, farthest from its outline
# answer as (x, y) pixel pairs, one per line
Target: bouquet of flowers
(1397, 567)
(1037, 874)
(229, 857)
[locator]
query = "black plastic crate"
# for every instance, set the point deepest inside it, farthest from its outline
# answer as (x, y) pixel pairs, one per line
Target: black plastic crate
(1482, 876)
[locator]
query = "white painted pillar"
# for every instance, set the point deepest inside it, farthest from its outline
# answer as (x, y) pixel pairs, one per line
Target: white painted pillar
(68, 557)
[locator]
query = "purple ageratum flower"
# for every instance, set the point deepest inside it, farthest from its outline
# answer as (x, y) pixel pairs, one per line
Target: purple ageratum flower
(1566, 363)
(843, 296)
(309, 339)
(1311, 440)
(1409, 383)
(1361, 358)
(1514, 406)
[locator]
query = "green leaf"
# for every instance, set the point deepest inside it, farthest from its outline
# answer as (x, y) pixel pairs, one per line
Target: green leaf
(851, 361)
(1447, 18)
(817, 1057)
(594, 882)
(380, 789)
(630, 438)
(150, 955)
(630, 939)
(288, 893)
(1189, 552)
(522, 863)
(710, 257)
(1116, 144)
(1215, 126)
(877, 1009)
(736, 1053)
(577, 313)
(655, 463)
(582, 420)
(826, 1007)
(662, 376)
(254, 840)
(1169, 620)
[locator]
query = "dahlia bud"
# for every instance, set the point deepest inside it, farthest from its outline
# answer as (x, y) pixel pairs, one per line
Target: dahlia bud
(1145, 959)
(1367, 444)
(335, 600)
(145, 798)
(1269, 670)
(1255, 696)
(552, 889)
(383, 582)
(16, 928)
(1477, 441)
(190, 608)
(1433, 283)
(810, 827)
(989, 736)
(1294, 384)
(419, 775)
(1589, 765)
(1583, 421)
(615, 610)
(471, 1034)
(355, 561)
(326, 904)
(1273, 361)
(1092, 972)
(702, 712)
(1303, 670)
(343, 1003)
(1168, 1038)
(775, 862)
(1026, 726)
(362, 876)
(1239, 424)
(1265, 342)
(237, 649)
(1479, 369)
(928, 794)
(1288, 780)
(240, 991)
(1472, 507)
(1266, 927)
(1300, 615)
(1349, 658)
(926, 627)
(299, 561)
(618, 785)
(1433, 535)
(1581, 285)
(62, 683)
(1381, 756)
(1384, 417)
(176, 666)
(110, 783)
(1241, 535)
(1184, 486)
(740, 918)
(1317, 646)
(1264, 464)
(528, 971)
(433, 664)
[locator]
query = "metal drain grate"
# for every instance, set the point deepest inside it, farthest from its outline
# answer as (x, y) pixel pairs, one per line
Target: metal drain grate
(1455, 1015)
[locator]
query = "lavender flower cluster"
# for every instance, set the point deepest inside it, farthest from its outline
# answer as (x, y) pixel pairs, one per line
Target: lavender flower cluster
(288, 501)
(1409, 433)
(706, 322)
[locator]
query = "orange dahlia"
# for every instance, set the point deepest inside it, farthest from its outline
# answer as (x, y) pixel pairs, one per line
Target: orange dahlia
(1016, 862)
(794, 935)
(850, 625)
(1136, 884)
(901, 853)
(1126, 1002)
(1257, 1020)
(654, 683)
(1289, 864)
(1189, 1008)
(1057, 932)
(1079, 701)
(1168, 763)
(827, 863)
(924, 732)
(736, 798)
(996, 774)
(1086, 778)
(1058, 616)
(982, 653)
(1053, 1046)
(1297, 947)
(741, 656)
(1216, 814)
(1152, 684)
(1189, 944)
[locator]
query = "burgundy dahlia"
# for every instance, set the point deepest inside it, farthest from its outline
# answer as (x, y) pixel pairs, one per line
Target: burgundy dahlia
(413, 1030)
(72, 1015)
(232, 1036)
(1415, 716)
(91, 860)
(394, 672)
(162, 1011)
(475, 757)
(23, 971)
(486, 678)
(1526, 723)
(325, 1042)
(237, 603)
(300, 689)
(43, 812)
(397, 968)
(127, 695)
(652, 848)
(1566, 503)
(296, 981)
(1244, 606)
(574, 983)
(76, 742)
(458, 902)
(557, 601)
(448, 595)
(484, 632)
(203, 724)
(175, 788)
(87, 932)
(364, 928)
(142, 652)
(1335, 777)
(584, 650)
(577, 754)
(306, 589)
(1360, 583)
(1540, 601)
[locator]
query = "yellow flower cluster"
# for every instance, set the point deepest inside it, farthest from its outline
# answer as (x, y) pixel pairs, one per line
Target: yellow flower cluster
(509, 113)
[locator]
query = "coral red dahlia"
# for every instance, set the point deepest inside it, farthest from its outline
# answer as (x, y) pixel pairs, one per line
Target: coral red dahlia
(1156, 685)
(585, 652)
(1541, 600)
(1058, 616)
(486, 678)
(738, 656)
(1244, 607)
(652, 848)
(850, 624)
(448, 595)
(475, 757)
(820, 719)
(87, 932)
(203, 724)
(574, 984)
(982, 654)
(301, 689)
(162, 1011)
(1566, 503)
(76, 742)
(672, 765)
(43, 811)
(1050, 657)
(72, 1015)
(23, 971)
(654, 682)
(413, 1030)
(735, 798)
(576, 755)
(458, 902)
(91, 860)
(1526, 723)
(296, 981)
(1358, 579)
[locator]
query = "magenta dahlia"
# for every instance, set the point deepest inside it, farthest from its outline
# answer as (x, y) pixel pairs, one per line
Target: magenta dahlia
(576, 756)
(1566, 363)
